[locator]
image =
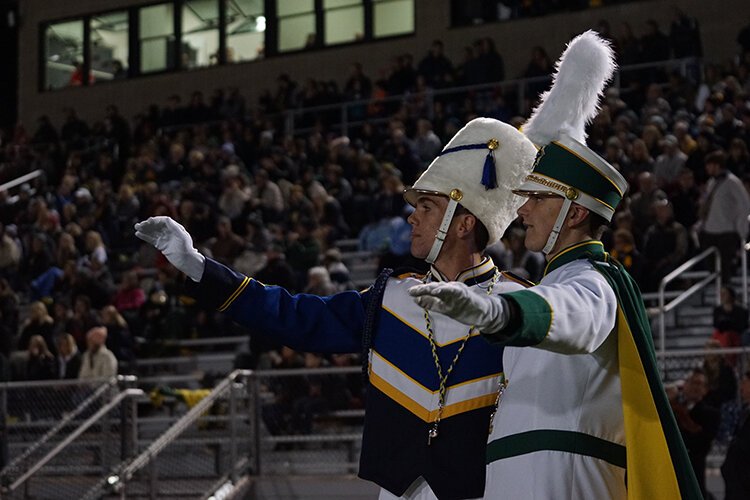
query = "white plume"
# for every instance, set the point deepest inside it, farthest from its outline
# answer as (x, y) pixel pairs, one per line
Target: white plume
(582, 71)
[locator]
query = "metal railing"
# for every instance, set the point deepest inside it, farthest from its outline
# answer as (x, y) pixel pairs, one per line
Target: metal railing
(102, 391)
(145, 466)
(518, 87)
(98, 418)
(680, 272)
(228, 436)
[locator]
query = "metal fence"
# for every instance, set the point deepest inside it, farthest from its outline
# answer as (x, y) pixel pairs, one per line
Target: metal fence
(208, 446)
(288, 422)
(61, 436)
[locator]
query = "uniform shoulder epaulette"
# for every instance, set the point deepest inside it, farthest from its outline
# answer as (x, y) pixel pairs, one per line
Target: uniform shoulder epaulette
(518, 279)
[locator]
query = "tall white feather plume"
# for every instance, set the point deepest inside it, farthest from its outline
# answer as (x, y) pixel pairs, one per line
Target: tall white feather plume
(582, 71)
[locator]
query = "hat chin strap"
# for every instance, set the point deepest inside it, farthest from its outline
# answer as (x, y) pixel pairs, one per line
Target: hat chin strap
(442, 231)
(558, 226)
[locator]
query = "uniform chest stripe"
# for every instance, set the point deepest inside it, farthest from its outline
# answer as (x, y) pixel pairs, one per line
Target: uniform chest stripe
(421, 412)
(428, 398)
(424, 333)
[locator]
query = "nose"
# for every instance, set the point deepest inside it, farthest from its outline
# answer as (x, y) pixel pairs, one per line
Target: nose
(412, 219)
(524, 209)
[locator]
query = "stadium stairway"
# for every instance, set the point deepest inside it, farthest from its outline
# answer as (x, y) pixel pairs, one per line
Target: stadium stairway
(690, 325)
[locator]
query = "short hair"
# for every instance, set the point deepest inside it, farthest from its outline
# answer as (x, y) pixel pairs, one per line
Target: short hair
(718, 157)
(597, 225)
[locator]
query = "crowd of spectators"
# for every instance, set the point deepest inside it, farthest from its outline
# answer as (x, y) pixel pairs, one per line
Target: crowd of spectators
(80, 296)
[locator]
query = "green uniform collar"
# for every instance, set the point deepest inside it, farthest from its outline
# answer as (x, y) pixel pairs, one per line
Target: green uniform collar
(586, 249)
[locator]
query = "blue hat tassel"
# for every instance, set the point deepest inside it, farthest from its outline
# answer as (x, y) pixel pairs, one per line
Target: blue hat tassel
(489, 175)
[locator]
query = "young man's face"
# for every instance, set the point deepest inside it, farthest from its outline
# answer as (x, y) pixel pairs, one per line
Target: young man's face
(425, 221)
(538, 215)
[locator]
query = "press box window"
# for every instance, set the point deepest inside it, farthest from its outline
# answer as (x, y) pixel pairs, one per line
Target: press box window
(392, 17)
(344, 21)
(200, 33)
(109, 46)
(246, 30)
(63, 54)
(296, 21)
(156, 37)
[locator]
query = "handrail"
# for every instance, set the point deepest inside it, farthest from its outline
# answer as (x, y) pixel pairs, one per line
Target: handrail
(20, 180)
(117, 479)
(686, 353)
(690, 263)
(38, 384)
(102, 389)
(73, 435)
(289, 114)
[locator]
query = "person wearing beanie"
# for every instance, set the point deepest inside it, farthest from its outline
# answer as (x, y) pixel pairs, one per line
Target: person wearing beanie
(432, 381)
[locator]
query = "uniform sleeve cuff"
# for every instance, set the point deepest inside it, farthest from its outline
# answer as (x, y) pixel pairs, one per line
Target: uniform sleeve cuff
(530, 320)
(219, 286)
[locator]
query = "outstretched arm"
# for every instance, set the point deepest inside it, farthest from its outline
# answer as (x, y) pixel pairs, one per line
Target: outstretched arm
(303, 322)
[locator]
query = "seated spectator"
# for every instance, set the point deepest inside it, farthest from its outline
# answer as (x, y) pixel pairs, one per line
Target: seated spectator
(428, 144)
(40, 362)
(119, 339)
(697, 420)
(730, 319)
(39, 323)
(669, 164)
(227, 245)
(686, 199)
(339, 273)
(97, 362)
(38, 259)
(130, 296)
(642, 204)
(266, 196)
(9, 311)
(84, 318)
(304, 250)
(10, 253)
(665, 245)
(319, 282)
(312, 401)
(736, 467)
(68, 357)
(627, 254)
(277, 270)
(436, 68)
(234, 197)
(285, 390)
(528, 265)
(96, 253)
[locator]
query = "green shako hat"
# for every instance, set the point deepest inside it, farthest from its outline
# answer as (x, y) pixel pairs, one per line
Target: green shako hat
(564, 165)
(571, 169)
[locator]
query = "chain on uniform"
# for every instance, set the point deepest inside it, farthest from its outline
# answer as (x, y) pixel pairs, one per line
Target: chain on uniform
(433, 432)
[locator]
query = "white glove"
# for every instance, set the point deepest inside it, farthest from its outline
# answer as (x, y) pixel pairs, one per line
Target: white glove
(488, 313)
(171, 239)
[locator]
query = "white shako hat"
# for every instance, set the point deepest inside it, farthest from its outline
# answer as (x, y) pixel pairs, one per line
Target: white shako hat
(565, 166)
(479, 168)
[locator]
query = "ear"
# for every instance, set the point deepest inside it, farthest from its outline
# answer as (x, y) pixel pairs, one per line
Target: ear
(466, 224)
(576, 215)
